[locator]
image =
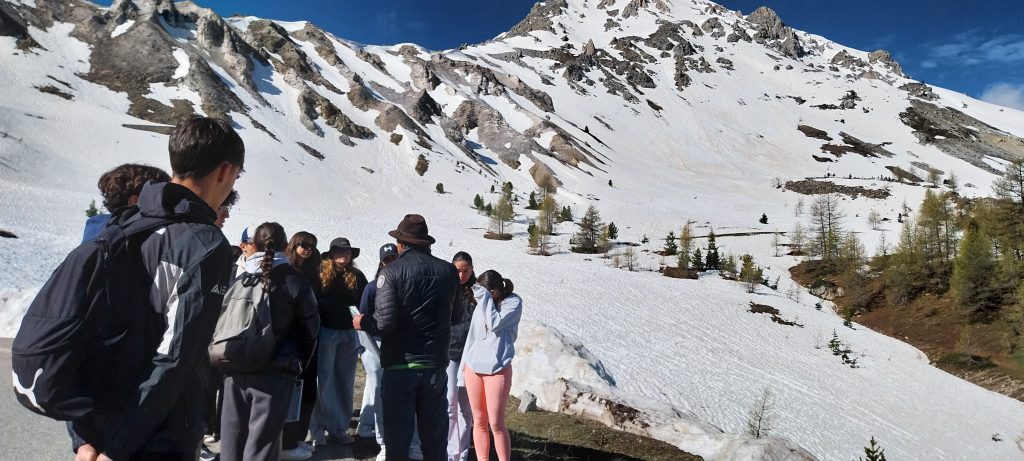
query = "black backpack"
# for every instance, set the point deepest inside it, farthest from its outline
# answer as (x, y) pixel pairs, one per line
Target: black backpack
(65, 355)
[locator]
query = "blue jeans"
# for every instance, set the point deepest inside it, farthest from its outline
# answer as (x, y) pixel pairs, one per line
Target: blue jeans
(336, 376)
(411, 396)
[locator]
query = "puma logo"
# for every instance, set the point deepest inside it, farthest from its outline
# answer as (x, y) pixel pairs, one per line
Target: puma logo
(29, 392)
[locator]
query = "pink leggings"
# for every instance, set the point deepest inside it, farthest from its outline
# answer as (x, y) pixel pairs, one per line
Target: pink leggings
(488, 397)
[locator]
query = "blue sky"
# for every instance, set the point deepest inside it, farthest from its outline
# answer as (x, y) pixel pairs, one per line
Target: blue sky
(973, 47)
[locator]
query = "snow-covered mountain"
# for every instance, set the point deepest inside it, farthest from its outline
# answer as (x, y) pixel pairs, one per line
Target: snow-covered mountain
(655, 111)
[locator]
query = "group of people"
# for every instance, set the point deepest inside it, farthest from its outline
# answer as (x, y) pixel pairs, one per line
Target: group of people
(435, 339)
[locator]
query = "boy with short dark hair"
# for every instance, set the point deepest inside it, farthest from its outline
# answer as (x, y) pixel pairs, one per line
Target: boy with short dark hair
(188, 262)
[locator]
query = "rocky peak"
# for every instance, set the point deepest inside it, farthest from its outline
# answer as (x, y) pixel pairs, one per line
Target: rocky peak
(885, 58)
(539, 18)
(771, 28)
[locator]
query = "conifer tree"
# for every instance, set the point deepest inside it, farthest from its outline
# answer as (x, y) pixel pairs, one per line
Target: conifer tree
(613, 232)
(489, 209)
(697, 260)
(532, 204)
(712, 260)
(502, 216)
(478, 202)
(873, 452)
(685, 245)
(591, 229)
(566, 215)
(972, 271)
(92, 210)
(670, 244)
(533, 242)
(750, 274)
(548, 215)
(439, 188)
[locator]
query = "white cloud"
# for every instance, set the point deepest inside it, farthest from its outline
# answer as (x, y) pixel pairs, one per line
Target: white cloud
(1005, 94)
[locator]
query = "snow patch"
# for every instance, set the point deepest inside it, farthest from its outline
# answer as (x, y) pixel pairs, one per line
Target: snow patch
(122, 28)
(183, 64)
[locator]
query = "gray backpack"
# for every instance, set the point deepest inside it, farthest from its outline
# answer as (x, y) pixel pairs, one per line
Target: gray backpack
(244, 338)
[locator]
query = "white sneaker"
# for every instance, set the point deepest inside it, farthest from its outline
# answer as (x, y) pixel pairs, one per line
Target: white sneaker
(297, 453)
(382, 456)
(308, 447)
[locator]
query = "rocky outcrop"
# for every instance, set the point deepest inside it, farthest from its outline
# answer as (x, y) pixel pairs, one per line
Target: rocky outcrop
(539, 18)
(714, 27)
(814, 187)
(961, 135)
(229, 51)
(844, 59)
(634, 6)
(770, 28)
(13, 25)
(920, 90)
(486, 81)
(315, 106)
(885, 58)
(274, 42)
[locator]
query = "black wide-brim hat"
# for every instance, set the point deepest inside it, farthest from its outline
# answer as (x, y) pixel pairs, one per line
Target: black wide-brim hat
(341, 243)
(413, 230)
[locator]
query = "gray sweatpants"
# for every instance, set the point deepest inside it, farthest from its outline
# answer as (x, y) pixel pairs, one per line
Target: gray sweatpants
(255, 407)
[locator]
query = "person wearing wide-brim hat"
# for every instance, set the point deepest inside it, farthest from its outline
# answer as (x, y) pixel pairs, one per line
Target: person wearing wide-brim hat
(342, 285)
(415, 302)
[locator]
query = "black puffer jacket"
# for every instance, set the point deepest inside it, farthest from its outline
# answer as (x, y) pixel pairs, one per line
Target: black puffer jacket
(294, 316)
(460, 330)
(416, 307)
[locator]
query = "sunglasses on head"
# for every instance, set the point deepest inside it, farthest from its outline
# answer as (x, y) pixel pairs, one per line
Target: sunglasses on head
(307, 245)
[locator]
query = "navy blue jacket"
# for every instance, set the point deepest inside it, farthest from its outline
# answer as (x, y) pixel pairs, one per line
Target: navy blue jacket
(160, 405)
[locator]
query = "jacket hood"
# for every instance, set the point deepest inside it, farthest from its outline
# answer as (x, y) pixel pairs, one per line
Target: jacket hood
(253, 263)
(169, 200)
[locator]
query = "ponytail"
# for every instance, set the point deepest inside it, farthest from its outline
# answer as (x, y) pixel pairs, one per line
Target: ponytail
(270, 239)
(492, 280)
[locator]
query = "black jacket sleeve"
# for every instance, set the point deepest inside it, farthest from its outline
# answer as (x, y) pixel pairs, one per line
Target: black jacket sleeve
(307, 324)
(199, 304)
(385, 317)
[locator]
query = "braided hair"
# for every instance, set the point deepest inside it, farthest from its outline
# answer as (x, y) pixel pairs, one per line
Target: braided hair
(269, 238)
(467, 288)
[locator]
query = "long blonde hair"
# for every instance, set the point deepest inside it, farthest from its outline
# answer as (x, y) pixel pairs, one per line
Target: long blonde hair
(328, 273)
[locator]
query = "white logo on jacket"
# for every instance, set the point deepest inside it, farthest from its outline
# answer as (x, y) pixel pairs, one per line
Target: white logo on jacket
(29, 391)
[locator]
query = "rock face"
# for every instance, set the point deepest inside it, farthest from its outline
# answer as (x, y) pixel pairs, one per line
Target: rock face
(947, 129)
(920, 90)
(885, 58)
(771, 28)
(539, 18)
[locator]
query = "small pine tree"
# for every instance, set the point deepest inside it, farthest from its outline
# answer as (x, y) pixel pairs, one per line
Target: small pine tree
(604, 242)
(873, 452)
(712, 260)
(697, 260)
(478, 202)
(532, 204)
(492, 188)
(760, 420)
(685, 245)
(548, 215)
(502, 216)
(566, 215)
(92, 210)
(764, 218)
(645, 240)
(610, 183)
(439, 188)
(489, 209)
(506, 190)
(834, 344)
(972, 271)
(670, 244)
(591, 231)
(750, 274)
(534, 240)
(613, 232)
(728, 264)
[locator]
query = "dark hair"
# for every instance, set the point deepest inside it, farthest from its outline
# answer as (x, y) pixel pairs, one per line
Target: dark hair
(230, 200)
(467, 288)
(269, 238)
(492, 280)
(310, 268)
(118, 185)
(199, 145)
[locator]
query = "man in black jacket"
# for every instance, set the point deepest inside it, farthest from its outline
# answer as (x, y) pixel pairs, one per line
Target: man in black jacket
(416, 296)
(159, 413)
